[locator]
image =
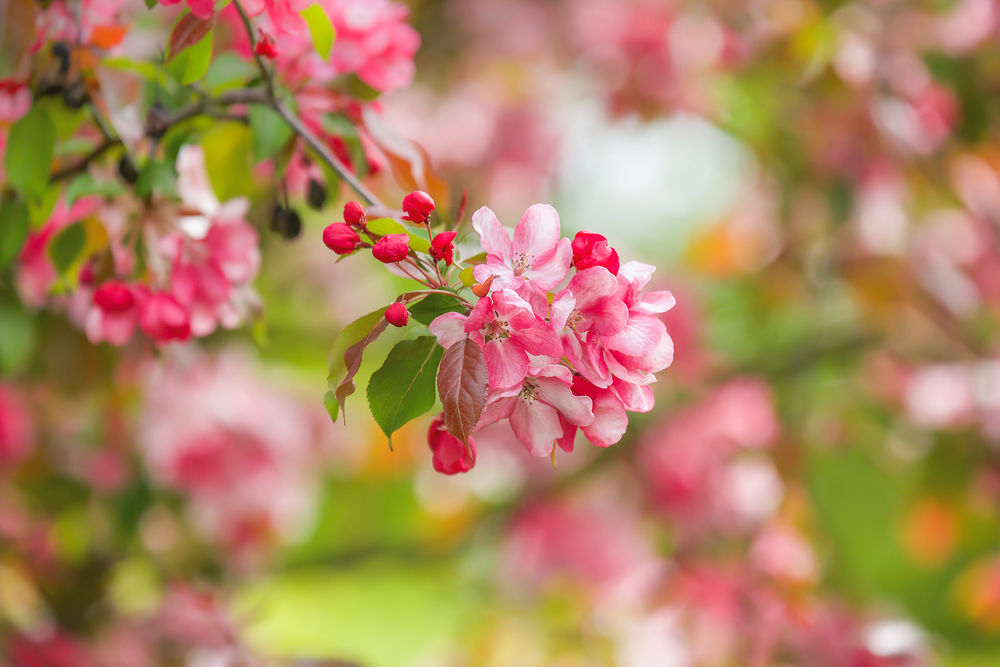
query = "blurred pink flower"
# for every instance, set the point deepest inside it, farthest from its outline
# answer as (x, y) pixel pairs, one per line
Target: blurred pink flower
(16, 426)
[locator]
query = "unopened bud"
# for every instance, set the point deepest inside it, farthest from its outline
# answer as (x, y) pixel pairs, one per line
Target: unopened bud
(340, 238)
(114, 297)
(397, 315)
(418, 206)
(354, 214)
(391, 248)
(265, 46)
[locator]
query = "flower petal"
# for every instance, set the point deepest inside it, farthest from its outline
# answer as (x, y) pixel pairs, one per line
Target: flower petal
(537, 426)
(539, 339)
(506, 362)
(577, 410)
(550, 272)
(538, 232)
(449, 328)
(641, 336)
(655, 302)
(493, 237)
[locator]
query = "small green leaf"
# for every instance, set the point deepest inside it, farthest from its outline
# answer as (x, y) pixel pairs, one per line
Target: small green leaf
(228, 72)
(193, 62)
(13, 229)
(31, 145)
(383, 226)
(229, 159)
(321, 29)
(467, 277)
(270, 132)
(151, 3)
(332, 406)
(85, 184)
(433, 305)
(156, 177)
(17, 338)
(403, 388)
(67, 246)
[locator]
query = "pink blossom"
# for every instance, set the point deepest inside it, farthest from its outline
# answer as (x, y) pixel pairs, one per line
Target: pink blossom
(443, 247)
(15, 100)
(163, 318)
(114, 314)
(539, 407)
(16, 428)
(450, 455)
(536, 255)
(507, 329)
(418, 206)
(397, 315)
(203, 9)
(591, 249)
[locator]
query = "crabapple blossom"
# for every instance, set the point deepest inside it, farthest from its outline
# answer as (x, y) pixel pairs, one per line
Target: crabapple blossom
(340, 238)
(265, 46)
(397, 315)
(16, 428)
(450, 455)
(591, 249)
(443, 247)
(417, 207)
(391, 248)
(354, 214)
(536, 254)
(539, 407)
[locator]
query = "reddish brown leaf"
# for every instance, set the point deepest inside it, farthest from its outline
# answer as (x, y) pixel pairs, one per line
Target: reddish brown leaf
(188, 32)
(17, 33)
(352, 360)
(461, 381)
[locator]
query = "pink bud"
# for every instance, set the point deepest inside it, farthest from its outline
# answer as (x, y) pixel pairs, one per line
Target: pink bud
(397, 315)
(163, 318)
(443, 248)
(450, 455)
(392, 248)
(265, 46)
(114, 297)
(591, 249)
(354, 214)
(340, 238)
(418, 206)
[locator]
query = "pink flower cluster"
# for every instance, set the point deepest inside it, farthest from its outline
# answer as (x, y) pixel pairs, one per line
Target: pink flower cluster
(373, 41)
(561, 359)
(16, 427)
(200, 258)
(243, 453)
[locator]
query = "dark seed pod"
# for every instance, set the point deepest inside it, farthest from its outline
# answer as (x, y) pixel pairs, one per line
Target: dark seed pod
(75, 94)
(316, 194)
(61, 52)
(286, 222)
(127, 170)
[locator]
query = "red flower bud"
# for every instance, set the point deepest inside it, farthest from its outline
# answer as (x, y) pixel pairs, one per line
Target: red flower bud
(397, 315)
(591, 249)
(340, 238)
(265, 46)
(418, 206)
(450, 455)
(392, 248)
(114, 297)
(354, 214)
(443, 248)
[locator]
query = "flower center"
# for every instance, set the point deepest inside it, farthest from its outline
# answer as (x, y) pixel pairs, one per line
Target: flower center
(496, 329)
(529, 391)
(574, 320)
(521, 262)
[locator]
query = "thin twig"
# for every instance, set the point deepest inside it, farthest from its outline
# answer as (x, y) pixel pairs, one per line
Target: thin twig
(324, 153)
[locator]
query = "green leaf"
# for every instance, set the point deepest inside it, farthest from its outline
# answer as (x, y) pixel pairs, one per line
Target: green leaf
(31, 145)
(403, 388)
(85, 184)
(320, 28)
(229, 159)
(270, 132)
(385, 226)
(193, 62)
(67, 246)
(228, 72)
(17, 339)
(156, 177)
(13, 229)
(345, 356)
(332, 406)
(188, 31)
(151, 3)
(433, 305)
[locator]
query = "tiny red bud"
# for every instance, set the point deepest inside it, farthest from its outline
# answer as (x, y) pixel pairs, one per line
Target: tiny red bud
(397, 315)
(591, 249)
(114, 297)
(340, 238)
(442, 247)
(418, 206)
(354, 214)
(265, 46)
(392, 248)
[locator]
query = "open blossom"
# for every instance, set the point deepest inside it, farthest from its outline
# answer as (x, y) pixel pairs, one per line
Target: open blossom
(16, 429)
(540, 409)
(536, 254)
(507, 329)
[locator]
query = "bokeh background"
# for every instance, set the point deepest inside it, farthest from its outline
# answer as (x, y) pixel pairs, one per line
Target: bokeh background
(819, 484)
